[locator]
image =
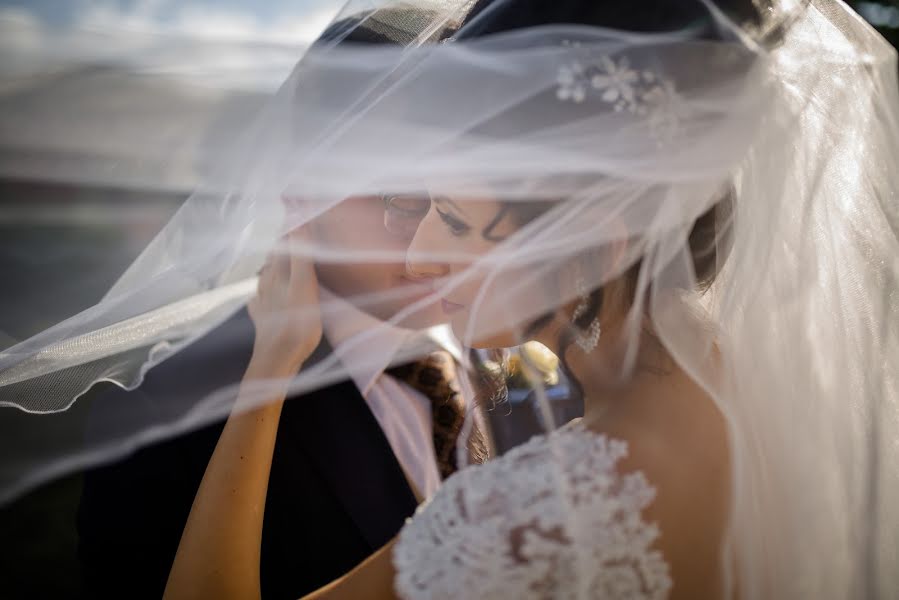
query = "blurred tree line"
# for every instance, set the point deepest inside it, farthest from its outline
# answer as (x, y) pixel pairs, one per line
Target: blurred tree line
(882, 14)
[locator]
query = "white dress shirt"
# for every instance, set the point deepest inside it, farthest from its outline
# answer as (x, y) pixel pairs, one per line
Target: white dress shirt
(366, 347)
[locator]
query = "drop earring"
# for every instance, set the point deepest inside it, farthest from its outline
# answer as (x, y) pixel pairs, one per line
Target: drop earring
(587, 338)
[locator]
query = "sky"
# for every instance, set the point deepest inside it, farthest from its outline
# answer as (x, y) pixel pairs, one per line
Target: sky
(96, 75)
(248, 44)
(126, 90)
(285, 21)
(88, 29)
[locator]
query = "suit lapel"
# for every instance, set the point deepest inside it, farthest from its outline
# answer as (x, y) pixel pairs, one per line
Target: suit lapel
(333, 427)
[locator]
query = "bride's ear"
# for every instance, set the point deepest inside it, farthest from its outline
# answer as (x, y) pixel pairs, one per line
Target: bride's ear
(585, 273)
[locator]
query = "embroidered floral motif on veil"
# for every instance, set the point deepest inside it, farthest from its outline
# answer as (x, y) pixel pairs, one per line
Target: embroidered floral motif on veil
(624, 88)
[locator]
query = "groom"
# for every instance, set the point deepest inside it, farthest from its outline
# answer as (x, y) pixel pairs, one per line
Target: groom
(351, 461)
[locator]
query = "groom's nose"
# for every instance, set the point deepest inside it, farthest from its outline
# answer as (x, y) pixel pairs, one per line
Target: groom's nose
(421, 261)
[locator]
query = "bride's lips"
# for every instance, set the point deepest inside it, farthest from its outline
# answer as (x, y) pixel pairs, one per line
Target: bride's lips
(429, 288)
(450, 307)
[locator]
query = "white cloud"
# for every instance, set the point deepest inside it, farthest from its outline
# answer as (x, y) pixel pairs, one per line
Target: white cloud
(20, 29)
(171, 76)
(205, 22)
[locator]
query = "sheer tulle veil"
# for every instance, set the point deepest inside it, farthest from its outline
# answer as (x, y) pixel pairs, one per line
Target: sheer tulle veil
(618, 142)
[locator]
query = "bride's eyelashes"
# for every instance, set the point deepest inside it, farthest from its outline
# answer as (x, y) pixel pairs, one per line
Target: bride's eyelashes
(457, 226)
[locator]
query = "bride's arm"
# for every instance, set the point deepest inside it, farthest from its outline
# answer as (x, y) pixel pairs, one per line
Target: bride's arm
(220, 549)
(218, 556)
(371, 579)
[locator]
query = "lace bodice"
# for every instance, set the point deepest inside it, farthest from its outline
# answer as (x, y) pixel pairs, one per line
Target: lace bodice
(553, 518)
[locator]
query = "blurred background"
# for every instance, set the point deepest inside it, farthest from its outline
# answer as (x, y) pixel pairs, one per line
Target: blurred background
(88, 176)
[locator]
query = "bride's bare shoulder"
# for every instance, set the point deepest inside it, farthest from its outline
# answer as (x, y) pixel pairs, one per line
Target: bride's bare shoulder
(677, 438)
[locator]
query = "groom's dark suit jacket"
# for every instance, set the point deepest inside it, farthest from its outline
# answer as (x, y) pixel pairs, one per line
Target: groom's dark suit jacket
(336, 491)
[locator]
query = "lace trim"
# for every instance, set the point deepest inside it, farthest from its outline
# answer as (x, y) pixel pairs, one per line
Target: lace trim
(551, 519)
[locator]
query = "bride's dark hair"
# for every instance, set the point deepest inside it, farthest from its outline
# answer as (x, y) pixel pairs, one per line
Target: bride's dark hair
(646, 16)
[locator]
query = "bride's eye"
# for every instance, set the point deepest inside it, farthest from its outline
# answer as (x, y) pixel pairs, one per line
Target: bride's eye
(456, 226)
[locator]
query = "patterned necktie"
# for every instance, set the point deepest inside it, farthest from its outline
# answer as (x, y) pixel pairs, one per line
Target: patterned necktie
(435, 377)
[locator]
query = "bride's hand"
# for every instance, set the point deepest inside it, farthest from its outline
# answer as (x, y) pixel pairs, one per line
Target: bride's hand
(285, 310)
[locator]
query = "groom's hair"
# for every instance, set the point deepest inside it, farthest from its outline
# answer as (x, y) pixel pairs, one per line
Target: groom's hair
(399, 25)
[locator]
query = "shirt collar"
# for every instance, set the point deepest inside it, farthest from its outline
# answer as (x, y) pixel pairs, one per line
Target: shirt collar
(354, 334)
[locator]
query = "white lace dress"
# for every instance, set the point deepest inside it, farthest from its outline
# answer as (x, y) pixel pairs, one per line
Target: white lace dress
(552, 518)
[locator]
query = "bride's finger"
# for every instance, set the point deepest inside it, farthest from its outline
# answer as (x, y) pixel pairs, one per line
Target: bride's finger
(303, 282)
(263, 283)
(280, 263)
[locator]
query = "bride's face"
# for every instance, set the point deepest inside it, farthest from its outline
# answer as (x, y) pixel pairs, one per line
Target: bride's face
(464, 228)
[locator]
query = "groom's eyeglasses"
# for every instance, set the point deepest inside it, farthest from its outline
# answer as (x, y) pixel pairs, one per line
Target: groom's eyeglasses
(403, 212)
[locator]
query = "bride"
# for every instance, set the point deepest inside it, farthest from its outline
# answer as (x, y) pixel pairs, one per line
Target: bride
(666, 487)
(644, 462)
(692, 203)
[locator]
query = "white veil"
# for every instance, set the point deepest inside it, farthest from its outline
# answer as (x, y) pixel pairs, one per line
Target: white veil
(618, 140)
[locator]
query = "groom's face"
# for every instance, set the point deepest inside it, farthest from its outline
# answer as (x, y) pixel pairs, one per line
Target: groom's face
(374, 278)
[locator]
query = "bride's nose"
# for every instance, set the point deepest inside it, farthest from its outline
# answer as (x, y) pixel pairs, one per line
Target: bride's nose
(420, 261)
